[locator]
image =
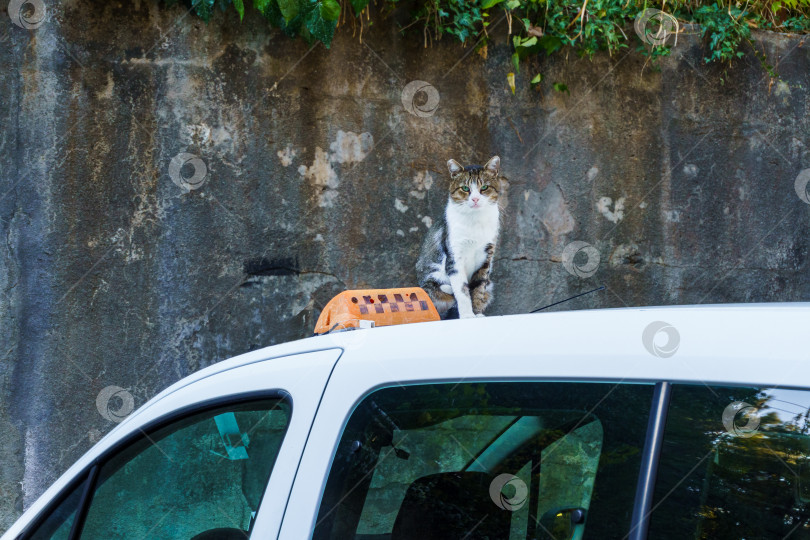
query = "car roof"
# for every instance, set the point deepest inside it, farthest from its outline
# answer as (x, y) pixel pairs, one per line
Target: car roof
(740, 330)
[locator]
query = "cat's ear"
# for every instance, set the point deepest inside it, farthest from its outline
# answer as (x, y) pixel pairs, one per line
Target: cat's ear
(454, 167)
(494, 165)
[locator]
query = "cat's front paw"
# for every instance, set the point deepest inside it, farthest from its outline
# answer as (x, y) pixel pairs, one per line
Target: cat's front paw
(446, 289)
(480, 315)
(469, 315)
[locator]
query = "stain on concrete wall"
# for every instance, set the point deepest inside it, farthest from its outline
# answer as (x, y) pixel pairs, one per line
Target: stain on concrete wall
(314, 177)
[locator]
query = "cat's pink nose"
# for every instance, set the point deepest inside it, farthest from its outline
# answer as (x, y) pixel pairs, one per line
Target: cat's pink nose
(475, 200)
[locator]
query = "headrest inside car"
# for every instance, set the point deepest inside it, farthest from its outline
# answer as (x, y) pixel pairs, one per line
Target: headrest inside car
(448, 506)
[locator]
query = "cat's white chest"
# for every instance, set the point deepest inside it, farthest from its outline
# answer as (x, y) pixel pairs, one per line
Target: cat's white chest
(469, 235)
(469, 255)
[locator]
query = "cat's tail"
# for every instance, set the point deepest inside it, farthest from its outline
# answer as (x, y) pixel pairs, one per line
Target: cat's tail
(441, 300)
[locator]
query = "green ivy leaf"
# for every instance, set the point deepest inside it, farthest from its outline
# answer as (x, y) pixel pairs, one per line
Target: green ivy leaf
(516, 62)
(289, 9)
(203, 9)
(330, 10)
(359, 6)
(550, 44)
(486, 4)
(272, 13)
(263, 6)
(316, 27)
(240, 7)
(537, 78)
(561, 87)
(529, 42)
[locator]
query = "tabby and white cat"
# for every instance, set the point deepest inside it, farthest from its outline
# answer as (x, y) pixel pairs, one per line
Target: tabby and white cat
(456, 257)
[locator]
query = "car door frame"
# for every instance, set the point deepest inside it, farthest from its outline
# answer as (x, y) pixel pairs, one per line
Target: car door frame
(300, 378)
(357, 376)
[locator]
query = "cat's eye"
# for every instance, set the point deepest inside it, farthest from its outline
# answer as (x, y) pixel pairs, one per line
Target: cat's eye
(484, 188)
(465, 189)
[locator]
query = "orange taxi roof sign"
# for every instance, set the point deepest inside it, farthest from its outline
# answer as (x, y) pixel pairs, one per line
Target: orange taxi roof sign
(385, 307)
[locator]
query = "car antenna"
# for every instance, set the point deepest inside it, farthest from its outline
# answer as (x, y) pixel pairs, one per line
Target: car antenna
(567, 299)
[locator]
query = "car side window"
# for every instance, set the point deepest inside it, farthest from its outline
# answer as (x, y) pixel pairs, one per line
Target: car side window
(201, 477)
(488, 460)
(57, 524)
(735, 464)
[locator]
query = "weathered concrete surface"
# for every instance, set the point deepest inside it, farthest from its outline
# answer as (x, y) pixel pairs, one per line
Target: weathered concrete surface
(319, 179)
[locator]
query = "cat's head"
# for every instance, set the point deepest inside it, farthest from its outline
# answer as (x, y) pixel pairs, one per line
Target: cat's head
(475, 187)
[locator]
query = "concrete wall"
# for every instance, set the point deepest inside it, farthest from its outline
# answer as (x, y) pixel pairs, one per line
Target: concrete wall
(318, 179)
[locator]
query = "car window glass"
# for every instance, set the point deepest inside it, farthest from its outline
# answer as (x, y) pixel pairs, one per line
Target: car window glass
(201, 477)
(487, 460)
(734, 465)
(569, 467)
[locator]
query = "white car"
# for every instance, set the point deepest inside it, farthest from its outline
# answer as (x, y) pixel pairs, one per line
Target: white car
(660, 423)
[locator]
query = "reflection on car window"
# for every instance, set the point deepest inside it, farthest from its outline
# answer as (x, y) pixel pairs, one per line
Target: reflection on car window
(60, 520)
(734, 465)
(199, 478)
(487, 460)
